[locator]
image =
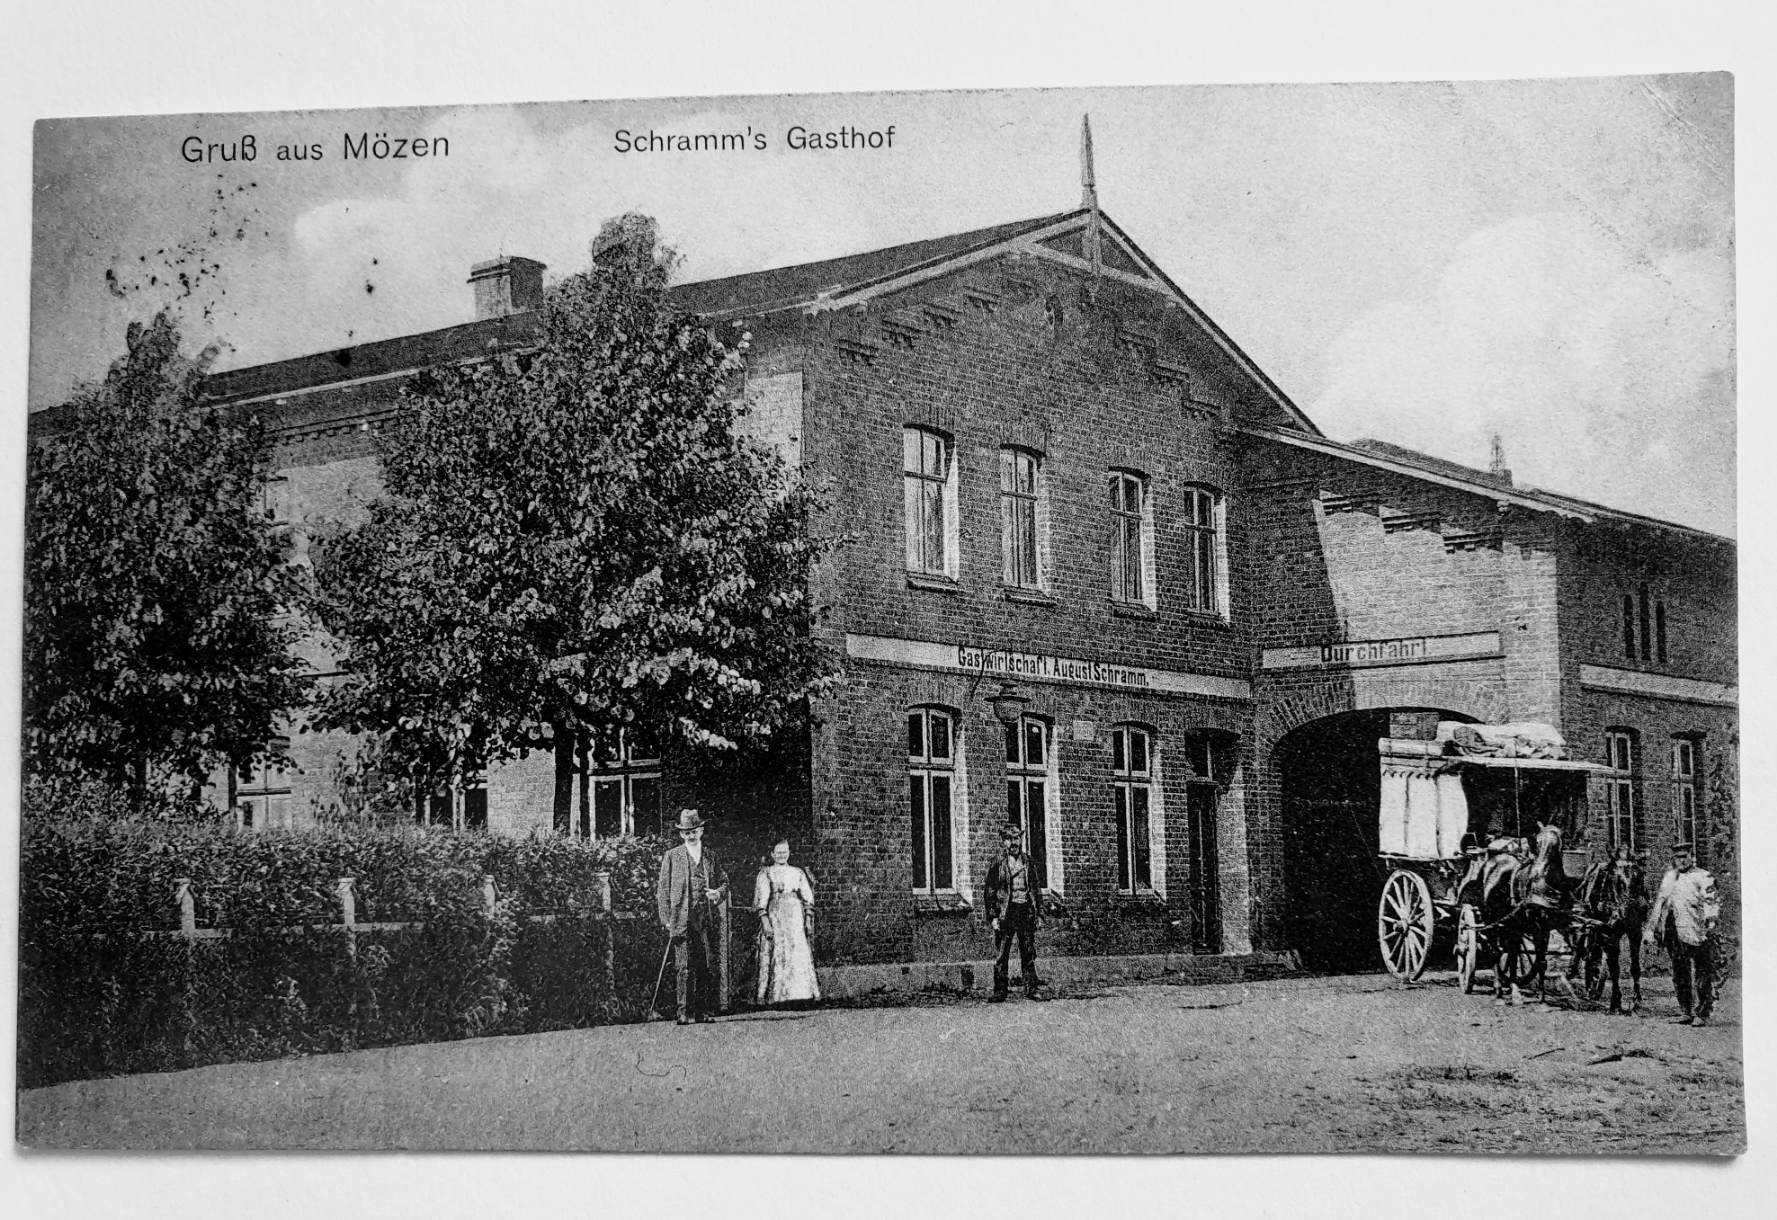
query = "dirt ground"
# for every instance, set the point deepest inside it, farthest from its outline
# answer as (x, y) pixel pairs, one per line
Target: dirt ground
(1356, 1063)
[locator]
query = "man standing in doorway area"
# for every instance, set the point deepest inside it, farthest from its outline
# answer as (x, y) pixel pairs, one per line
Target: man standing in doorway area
(692, 883)
(1684, 918)
(1014, 904)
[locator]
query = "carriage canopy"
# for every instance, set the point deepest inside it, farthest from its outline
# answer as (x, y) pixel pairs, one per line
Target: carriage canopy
(1440, 797)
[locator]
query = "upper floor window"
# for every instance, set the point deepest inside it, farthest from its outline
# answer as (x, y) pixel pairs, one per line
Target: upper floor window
(1020, 512)
(1132, 530)
(620, 794)
(1028, 789)
(931, 791)
(929, 483)
(1684, 789)
(1644, 626)
(1203, 532)
(1132, 788)
(1622, 754)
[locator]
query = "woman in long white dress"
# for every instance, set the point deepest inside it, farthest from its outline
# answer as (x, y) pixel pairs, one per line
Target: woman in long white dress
(784, 899)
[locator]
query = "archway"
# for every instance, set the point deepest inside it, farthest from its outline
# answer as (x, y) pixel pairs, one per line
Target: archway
(1330, 787)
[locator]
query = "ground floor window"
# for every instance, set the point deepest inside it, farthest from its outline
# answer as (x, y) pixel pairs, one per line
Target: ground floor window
(620, 784)
(466, 809)
(1620, 805)
(1132, 788)
(1684, 790)
(931, 795)
(262, 795)
(1028, 787)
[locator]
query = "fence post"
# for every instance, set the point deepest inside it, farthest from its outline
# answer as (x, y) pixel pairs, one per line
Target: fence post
(187, 908)
(188, 933)
(348, 914)
(604, 889)
(489, 895)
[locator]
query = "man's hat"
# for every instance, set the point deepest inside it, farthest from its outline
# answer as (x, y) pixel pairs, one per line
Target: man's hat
(1011, 830)
(689, 819)
(1683, 845)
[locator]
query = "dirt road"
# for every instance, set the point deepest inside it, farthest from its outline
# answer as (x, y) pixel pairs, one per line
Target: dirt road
(1296, 1065)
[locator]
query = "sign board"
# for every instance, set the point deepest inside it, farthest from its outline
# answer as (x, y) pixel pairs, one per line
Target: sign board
(1040, 667)
(1403, 650)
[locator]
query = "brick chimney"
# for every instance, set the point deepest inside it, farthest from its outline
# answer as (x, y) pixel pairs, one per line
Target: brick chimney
(506, 285)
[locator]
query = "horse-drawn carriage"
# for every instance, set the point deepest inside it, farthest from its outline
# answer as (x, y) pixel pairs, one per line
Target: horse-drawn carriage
(1483, 829)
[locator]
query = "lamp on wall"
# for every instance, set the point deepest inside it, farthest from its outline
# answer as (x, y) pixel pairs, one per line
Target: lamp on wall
(1008, 705)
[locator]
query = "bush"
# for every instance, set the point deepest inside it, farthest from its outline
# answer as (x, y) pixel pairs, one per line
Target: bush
(99, 997)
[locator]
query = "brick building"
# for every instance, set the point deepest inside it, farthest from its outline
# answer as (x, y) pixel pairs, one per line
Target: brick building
(1105, 579)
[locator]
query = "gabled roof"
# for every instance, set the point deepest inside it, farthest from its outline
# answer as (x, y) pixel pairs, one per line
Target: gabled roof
(852, 280)
(756, 292)
(1397, 459)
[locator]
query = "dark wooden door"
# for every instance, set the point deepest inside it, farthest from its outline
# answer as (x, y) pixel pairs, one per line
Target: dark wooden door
(1206, 898)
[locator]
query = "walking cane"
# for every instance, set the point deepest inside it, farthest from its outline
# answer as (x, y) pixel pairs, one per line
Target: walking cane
(654, 1002)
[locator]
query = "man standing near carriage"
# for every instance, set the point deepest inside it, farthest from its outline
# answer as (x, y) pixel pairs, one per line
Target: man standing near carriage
(1684, 917)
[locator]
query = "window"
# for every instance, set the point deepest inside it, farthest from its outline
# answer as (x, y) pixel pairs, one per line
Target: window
(928, 482)
(1642, 620)
(1131, 538)
(469, 813)
(1660, 631)
(620, 785)
(1028, 756)
(1623, 757)
(931, 787)
(1684, 789)
(1628, 627)
(262, 797)
(1203, 533)
(1132, 785)
(1020, 471)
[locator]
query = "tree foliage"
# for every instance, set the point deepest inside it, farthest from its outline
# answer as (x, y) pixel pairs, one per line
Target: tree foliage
(574, 539)
(157, 596)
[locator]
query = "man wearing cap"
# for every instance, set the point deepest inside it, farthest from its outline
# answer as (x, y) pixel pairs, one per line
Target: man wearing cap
(1014, 904)
(1684, 916)
(691, 884)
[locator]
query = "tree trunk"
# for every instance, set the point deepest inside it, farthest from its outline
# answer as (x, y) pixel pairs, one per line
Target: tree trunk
(564, 776)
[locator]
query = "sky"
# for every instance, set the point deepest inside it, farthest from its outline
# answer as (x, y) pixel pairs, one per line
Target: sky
(1427, 264)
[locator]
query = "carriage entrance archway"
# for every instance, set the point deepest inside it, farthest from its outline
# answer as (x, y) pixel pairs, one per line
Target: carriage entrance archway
(1331, 784)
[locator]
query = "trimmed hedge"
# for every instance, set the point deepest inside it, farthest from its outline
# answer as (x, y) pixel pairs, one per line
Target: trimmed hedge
(97, 997)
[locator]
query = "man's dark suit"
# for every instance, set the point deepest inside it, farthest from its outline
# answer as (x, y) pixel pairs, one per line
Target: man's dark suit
(690, 920)
(1017, 921)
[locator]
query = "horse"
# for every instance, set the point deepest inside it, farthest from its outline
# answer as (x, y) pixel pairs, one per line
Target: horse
(1521, 902)
(1613, 903)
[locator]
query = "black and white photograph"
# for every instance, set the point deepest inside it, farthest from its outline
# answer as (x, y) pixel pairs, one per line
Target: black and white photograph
(1164, 619)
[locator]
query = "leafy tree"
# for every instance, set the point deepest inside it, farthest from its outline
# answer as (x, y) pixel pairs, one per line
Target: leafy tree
(157, 596)
(576, 539)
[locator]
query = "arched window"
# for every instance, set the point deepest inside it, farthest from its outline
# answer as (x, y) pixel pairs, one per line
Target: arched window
(1030, 787)
(1628, 627)
(1643, 620)
(1134, 795)
(1660, 631)
(932, 787)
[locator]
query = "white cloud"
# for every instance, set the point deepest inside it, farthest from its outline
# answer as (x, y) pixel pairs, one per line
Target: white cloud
(1608, 370)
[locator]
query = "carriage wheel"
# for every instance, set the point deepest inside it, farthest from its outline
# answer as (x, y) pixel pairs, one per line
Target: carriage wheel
(1405, 922)
(1468, 947)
